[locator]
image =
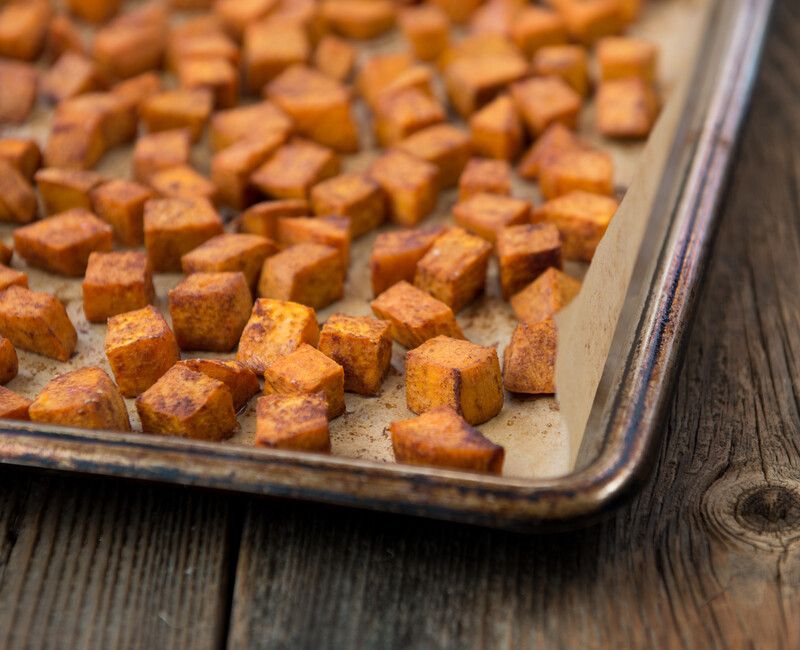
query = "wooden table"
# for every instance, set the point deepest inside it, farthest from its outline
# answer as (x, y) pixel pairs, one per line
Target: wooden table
(708, 555)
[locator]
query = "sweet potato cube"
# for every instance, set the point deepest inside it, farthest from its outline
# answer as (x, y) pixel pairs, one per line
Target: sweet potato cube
(416, 77)
(427, 30)
(62, 244)
(276, 328)
(623, 57)
(484, 176)
(569, 62)
(62, 36)
(134, 91)
(582, 219)
(155, 152)
(474, 81)
(6, 253)
(309, 274)
(120, 204)
(451, 372)
(378, 72)
(13, 406)
(94, 11)
(355, 196)
(297, 422)
(360, 19)
(459, 11)
(410, 183)
(37, 322)
(543, 101)
(173, 227)
(262, 218)
(415, 316)
(178, 109)
(209, 310)
(76, 140)
(269, 48)
(23, 154)
(256, 121)
(17, 198)
(479, 46)
(529, 361)
(117, 119)
(443, 145)
(241, 381)
(232, 167)
(398, 115)
(23, 78)
(454, 269)
(553, 143)
(230, 252)
(496, 130)
(307, 371)
(585, 169)
(187, 404)
(9, 363)
(590, 20)
(183, 183)
(23, 27)
(525, 252)
(72, 75)
(442, 438)
(116, 283)
(236, 15)
(626, 108)
(545, 296)
(133, 43)
(535, 27)
(140, 348)
(334, 57)
(66, 189)
(212, 45)
(362, 346)
(487, 214)
(11, 277)
(216, 75)
(395, 255)
(294, 169)
(330, 231)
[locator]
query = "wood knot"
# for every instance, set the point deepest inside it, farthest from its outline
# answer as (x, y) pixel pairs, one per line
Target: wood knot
(771, 508)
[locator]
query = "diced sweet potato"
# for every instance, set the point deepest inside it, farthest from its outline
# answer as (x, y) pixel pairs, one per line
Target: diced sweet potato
(378, 72)
(626, 108)
(275, 329)
(23, 154)
(255, 121)
(37, 322)
(133, 43)
(6, 253)
(484, 176)
(330, 231)
(134, 91)
(62, 244)
(535, 27)
(178, 109)
(395, 255)
(443, 145)
(398, 115)
(72, 75)
(13, 406)
(334, 57)
(459, 11)
(306, 13)
(309, 274)
(474, 81)
(354, 196)
(543, 101)
(588, 21)
(524, 252)
(414, 315)
(623, 57)
(236, 15)
(210, 45)
(65, 189)
(427, 30)
(232, 167)
(140, 348)
(269, 48)
(76, 140)
(552, 144)
(23, 27)
(442, 438)
(173, 227)
(155, 152)
(569, 62)
(496, 129)
(94, 11)
(582, 219)
(294, 169)
(410, 184)
(582, 169)
(23, 78)
(241, 381)
(359, 18)
(529, 360)
(217, 75)
(487, 214)
(62, 36)
(451, 372)
(262, 218)
(230, 252)
(116, 283)
(117, 118)
(17, 198)
(297, 422)
(362, 346)
(120, 204)
(204, 410)
(183, 183)
(11, 277)
(545, 296)
(9, 364)
(454, 269)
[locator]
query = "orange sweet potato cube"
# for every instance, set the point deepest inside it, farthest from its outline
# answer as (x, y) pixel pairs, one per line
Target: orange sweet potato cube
(330, 231)
(62, 36)
(492, 43)
(13, 406)
(553, 143)
(236, 15)
(377, 72)
(120, 204)
(62, 244)
(23, 78)
(232, 167)
(410, 183)
(269, 48)
(73, 74)
(23, 28)
(9, 363)
(65, 189)
(626, 108)
(262, 218)
(545, 296)
(583, 169)
(427, 30)
(442, 145)
(569, 62)
(37, 322)
(362, 346)
(294, 169)
(217, 75)
(116, 118)
(276, 328)
(134, 91)
(116, 283)
(23, 154)
(484, 176)
(183, 182)
(178, 109)
(395, 255)
(359, 19)
(415, 77)
(456, 373)
(487, 214)
(94, 11)
(459, 11)
(155, 152)
(17, 197)
(11, 277)
(230, 252)
(173, 227)
(442, 438)
(542, 101)
(622, 57)
(254, 121)
(496, 130)
(535, 27)
(351, 195)
(241, 381)
(202, 45)
(187, 404)
(309, 274)
(297, 422)
(415, 316)
(588, 21)
(209, 310)
(524, 252)
(334, 57)
(400, 114)
(454, 269)
(76, 140)
(140, 348)
(6, 253)
(529, 361)
(474, 81)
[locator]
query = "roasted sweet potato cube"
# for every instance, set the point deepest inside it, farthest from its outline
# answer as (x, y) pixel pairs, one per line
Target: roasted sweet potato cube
(23, 27)
(410, 184)
(496, 130)
(582, 219)
(23, 78)
(62, 244)
(120, 204)
(209, 310)
(276, 328)
(241, 381)
(256, 121)
(415, 316)
(378, 72)
(360, 19)
(306, 13)
(211, 45)
(524, 252)
(116, 283)
(623, 57)
(294, 169)
(443, 145)
(307, 371)
(262, 218)
(459, 11)
(484, 176)
(351, 195)
(395, 255)
(187, 404)
(117, 118)
(362, 346)
(427, 30)
(66, 189)
(13, 406)
(173, 227)
(134, 91)
(72, 75)
(9, 364)
(442, 438)
(478, 46)
(529, 361)
(334, 57)
(269, 48)
(230, 252)
(216, 75)
(11, 277)
(333, 231)
(37, 322)
(398, 115)
(626, 108)
(474, 81)
(585, 169)
(183, 183)
(543, 101)
(298, 422)
(155, 152)
(456, 373)
(569, 62)
(232, 167)
(23, 154)
(588, 21)
(178, 109)
(553, 143)
(236, 15)
(62, 36)
(545, 296)
(6, 253)
(309, 274)
(454, 269)
(76, 140)
(133, 43)
(94, 11)
(17, 198)
(140, 348)
(535, 27)
(487, 214)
